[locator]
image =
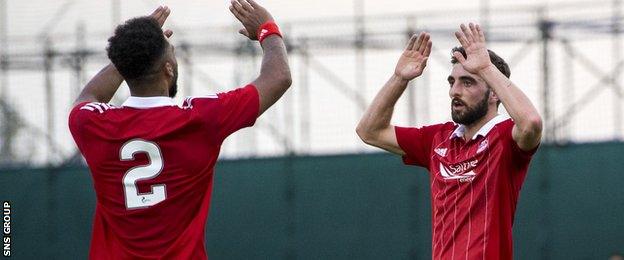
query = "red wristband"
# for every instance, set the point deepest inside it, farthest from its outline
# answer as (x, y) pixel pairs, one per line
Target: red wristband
(267, 29)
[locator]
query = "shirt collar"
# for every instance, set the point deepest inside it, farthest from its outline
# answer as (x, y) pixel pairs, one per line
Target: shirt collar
(485, 129)
(148, 102)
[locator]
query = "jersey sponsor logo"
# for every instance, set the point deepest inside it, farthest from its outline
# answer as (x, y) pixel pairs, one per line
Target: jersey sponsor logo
(441, 151)
(463, 171)
(482, 146)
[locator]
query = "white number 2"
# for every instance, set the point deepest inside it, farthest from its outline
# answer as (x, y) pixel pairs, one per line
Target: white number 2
(134, 199)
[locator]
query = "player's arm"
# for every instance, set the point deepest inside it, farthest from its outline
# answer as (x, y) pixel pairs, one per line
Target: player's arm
(274, 78)
(374, 127)
(105, 83)
(101, 87)
(527, 130)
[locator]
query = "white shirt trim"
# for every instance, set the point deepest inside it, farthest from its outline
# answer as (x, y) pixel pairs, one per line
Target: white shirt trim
(148, 102)
(485, 129)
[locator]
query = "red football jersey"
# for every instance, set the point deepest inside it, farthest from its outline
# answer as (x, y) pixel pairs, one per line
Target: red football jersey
(152, 166)
(474, 186)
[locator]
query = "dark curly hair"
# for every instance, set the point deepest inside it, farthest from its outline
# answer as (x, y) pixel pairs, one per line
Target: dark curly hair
(500, 64)
(137, 47)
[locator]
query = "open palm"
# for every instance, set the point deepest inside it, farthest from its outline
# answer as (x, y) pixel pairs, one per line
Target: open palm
(472, 40)
(414, 59)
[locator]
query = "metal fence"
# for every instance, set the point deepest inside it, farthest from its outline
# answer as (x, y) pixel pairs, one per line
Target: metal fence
(566, 57)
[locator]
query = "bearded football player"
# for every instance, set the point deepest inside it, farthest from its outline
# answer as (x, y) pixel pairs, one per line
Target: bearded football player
(478, 162)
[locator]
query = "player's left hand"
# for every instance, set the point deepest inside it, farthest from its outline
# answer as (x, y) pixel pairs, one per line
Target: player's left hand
(473, 41)
(160, 15)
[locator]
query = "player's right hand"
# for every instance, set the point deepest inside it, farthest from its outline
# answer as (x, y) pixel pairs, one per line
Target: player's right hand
(414, 59)
(251, 15)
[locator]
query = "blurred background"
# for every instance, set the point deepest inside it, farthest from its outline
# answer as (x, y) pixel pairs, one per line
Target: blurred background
(300, 184)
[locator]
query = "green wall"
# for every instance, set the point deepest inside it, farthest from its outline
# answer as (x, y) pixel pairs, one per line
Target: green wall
(366, 206)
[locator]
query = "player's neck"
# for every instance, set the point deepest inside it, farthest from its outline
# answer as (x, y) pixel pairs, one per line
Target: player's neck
(149, 90)
(149, 94)
(472, 129)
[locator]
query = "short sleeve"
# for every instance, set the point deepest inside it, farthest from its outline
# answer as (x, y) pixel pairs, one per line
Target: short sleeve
(417, 143)
(228, 112)
(520, 157)
(77, 114)
(80, 116)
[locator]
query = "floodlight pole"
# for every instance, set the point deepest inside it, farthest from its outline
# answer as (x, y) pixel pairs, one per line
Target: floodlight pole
(545, 27)
(360, 47)
(4, 62)
(78, 60)
(304, 96)
(617, 56)
(49, 99)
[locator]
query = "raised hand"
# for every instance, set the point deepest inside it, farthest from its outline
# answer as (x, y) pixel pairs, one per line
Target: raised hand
(414, 59)
(251, 15)
(160, 15)
(473, 41)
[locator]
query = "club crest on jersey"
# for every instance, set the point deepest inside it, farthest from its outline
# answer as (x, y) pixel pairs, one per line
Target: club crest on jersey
(441, 151)
(464, 172)
(482, 146)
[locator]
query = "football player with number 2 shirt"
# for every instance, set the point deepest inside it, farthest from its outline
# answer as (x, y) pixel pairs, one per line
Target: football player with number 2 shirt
(152, 161)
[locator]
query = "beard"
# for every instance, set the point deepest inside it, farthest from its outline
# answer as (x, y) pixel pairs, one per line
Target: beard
(173, 89)
(471, 114)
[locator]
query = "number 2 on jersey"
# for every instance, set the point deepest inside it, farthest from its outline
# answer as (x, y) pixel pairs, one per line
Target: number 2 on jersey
(134, 199)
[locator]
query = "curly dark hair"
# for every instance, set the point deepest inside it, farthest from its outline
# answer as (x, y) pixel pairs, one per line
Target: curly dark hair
(500, 64)
(136, 47)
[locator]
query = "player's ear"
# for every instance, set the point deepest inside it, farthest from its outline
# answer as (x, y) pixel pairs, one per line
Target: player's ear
(493, 97)
(169, 69)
